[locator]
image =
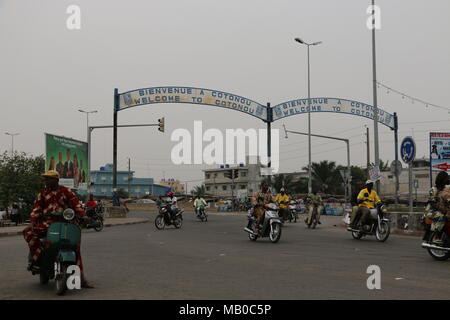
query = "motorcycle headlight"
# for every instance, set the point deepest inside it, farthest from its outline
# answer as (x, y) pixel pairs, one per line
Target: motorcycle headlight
(163, 210)
(69, 214)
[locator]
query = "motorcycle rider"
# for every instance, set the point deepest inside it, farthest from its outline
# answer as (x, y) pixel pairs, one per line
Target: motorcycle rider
(173, 204)
(259, 200)
(282, 200)
(200, 203)
(91, 206)
(436, 207)
(52, 198)
(367, 199)
(313, 200)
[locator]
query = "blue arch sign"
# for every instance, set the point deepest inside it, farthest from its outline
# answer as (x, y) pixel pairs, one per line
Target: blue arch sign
(192, 95)
(408, 150)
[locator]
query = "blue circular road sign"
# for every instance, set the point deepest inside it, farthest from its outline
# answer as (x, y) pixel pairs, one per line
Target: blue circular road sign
(408, 150)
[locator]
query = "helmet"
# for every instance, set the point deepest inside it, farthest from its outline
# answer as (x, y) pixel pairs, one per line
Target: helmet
(170, 193)
(369, 182)
(282, 190)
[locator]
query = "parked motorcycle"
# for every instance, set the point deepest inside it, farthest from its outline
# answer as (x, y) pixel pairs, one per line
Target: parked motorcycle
(164, 218)
(59, 253)
(378, 225)
(438, 243)
(271, 225)
(94, 219)
(201, 213)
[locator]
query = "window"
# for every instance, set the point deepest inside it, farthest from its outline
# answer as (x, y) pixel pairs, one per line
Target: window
(103, 178)
(224, 188)
(125, 178)
(243, 186)
(207, 188)
(243, 173)
(137, 190)
(207, 175)
(233, 187)
(103, 190)
(216, 187)
(215, 175)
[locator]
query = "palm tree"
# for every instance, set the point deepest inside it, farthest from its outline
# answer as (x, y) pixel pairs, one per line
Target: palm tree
(384, 166)
(325, 176)
(199, 191)
(279, 181)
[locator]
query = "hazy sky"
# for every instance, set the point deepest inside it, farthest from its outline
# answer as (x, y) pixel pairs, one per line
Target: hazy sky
(244, 47)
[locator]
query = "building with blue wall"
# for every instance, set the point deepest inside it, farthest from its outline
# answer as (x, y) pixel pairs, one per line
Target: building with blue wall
(102, 183)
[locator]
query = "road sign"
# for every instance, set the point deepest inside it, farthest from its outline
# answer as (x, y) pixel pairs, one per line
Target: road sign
(408, 150)
(396, 167)
(375, 174)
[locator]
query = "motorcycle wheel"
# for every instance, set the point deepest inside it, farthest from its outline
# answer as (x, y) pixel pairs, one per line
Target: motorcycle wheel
(275, 233)
(178, 223)
(100, 226)
(439, 255)
(61, 281)
(356, 234)
(43, 277)
(382, 236)
(159, 222)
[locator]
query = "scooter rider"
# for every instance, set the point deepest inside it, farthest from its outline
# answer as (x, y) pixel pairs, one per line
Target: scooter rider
(367, 199)
(259, 200)
(173, 204)
(52, 198)
(199, 202)
(282, 200)
(313, 200)
(436, 208)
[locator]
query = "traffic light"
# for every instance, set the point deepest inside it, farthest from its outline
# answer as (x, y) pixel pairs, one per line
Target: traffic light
(161, 124)
(228, 174)
(236, 173)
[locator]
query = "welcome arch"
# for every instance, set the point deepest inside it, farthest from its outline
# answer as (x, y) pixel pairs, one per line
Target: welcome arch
(266, 113)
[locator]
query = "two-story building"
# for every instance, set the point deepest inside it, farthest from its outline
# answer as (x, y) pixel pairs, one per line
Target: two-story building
(102, 183)
(245, 184)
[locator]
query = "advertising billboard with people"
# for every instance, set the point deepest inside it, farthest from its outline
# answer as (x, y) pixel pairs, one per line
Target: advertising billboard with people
(69, 158)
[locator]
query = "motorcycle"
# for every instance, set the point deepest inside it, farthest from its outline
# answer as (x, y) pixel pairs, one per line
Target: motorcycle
(60, 250)
(164, 218)
(94, 220)
(271, 225)
(201, 213)
(285, 213)
(378, 225)
(438, 243)
(293, 211)
(313, 221)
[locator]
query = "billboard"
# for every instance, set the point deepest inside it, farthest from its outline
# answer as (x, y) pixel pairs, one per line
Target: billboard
(440, 151)
(70, 158)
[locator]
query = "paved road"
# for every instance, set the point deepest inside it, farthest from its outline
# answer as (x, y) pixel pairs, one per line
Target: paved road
(215, 260)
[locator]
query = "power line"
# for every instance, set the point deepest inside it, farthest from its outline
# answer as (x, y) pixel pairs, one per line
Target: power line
(413, 99)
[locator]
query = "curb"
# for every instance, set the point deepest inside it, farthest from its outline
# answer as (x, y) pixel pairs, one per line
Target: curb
(7, 234)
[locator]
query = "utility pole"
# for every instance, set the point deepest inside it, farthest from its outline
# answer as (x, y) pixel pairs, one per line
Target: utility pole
(129, 177)
(375, 103)
(368, 151)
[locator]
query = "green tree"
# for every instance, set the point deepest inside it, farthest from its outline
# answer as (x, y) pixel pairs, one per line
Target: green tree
(199, 191)
(384, 166)
(122, 194)
(326, 177)
(20, 179)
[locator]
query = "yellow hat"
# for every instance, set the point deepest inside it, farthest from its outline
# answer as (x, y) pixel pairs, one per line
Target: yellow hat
(51, 174)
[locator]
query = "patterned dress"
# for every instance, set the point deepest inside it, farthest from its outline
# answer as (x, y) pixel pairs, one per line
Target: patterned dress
(49, 201)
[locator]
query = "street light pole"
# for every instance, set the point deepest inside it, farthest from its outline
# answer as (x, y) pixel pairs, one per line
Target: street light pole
(12, 140)
(375, 102)
(348, 175)
(88, 139)
(309, 111)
